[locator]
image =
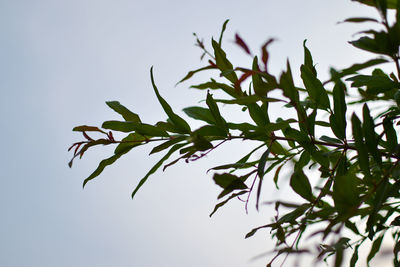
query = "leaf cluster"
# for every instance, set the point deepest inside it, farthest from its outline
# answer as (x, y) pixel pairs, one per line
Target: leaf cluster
(347, 177)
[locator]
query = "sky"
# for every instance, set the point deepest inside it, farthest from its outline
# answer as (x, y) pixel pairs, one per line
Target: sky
(61, 60)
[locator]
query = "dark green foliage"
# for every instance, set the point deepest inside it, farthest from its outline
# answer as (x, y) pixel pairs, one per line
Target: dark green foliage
(347, 177)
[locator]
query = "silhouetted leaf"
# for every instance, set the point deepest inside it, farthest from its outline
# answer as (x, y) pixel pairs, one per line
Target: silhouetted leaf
(200, 113)
(362, 153)
(156, 167)
(301, 185)
(315, 88)
(180, 123)
(123, 111)
(223, 63)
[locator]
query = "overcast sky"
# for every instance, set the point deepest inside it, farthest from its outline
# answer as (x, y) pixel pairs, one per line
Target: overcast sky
(61, 60)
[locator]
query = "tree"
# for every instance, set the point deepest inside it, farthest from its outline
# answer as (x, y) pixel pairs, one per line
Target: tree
(348, 178)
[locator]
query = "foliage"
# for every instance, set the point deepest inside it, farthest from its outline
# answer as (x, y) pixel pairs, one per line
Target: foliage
(348, 178)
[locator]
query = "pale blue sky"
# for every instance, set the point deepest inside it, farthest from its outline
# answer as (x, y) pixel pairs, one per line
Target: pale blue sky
(61, 60)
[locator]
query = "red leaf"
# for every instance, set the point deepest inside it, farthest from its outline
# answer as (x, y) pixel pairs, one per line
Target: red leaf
(264, 52)
(239, 41)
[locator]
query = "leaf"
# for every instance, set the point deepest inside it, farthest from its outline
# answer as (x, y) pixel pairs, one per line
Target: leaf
(378, 200)
(168, 143)
(123, 111)
(180, 123)
(191, 73)
(222, 203)
(260, 172)
(129, 142)
(376, 84)
(200, 142)
(211, 130)
(330, 140)
(354, 258)
(253, 231)
(258, 115)
(338, 118)
(346, 193)
(390, 133)
(213, 107)
(260, 87)
(301, 185)
(375, 248)
(119, 151)
(85, 128)
(287, 84)
(357, 67)
(360, 19)
(215, 85)
(391, 4)
(141, 128)
(229, 183)
(222, 31)
(239, 41)
(362, 153)
(371, 139)
(293, 215)
(199, 113)
(308, 61)
(223, 63)
(315, 88)
(156, 167)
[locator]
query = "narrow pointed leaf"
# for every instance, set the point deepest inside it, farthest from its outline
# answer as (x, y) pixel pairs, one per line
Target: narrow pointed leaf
(362, 153)
(156, 167)
(123, 111)
(180, 123)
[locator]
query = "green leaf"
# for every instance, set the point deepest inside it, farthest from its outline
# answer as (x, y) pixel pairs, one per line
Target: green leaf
(141, 128)
(315, 88)
(215, 86)
(258, 115)
(119, 151)
(293, 215)
(354, 258)
(180, 123)
(338, 118)
(390, 133)
(223, 63)
(371, 139)
(362, 153)
(168, 143)
(191, 73)
(308, 61)
(330, 140)
(378, 200)
(213, 107)
(375, 248)
(260, 87)
(123, 111)
(129, 142)
(199, 113)
(222, 203)
(211, 130)
(301, 185)
(346, 193)
(287, 84)
(360, 19)
(200, 142)
(156, 167)
(229, 183)
(391, 4)
(357, 67)
(376, 84)
(222, 31)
